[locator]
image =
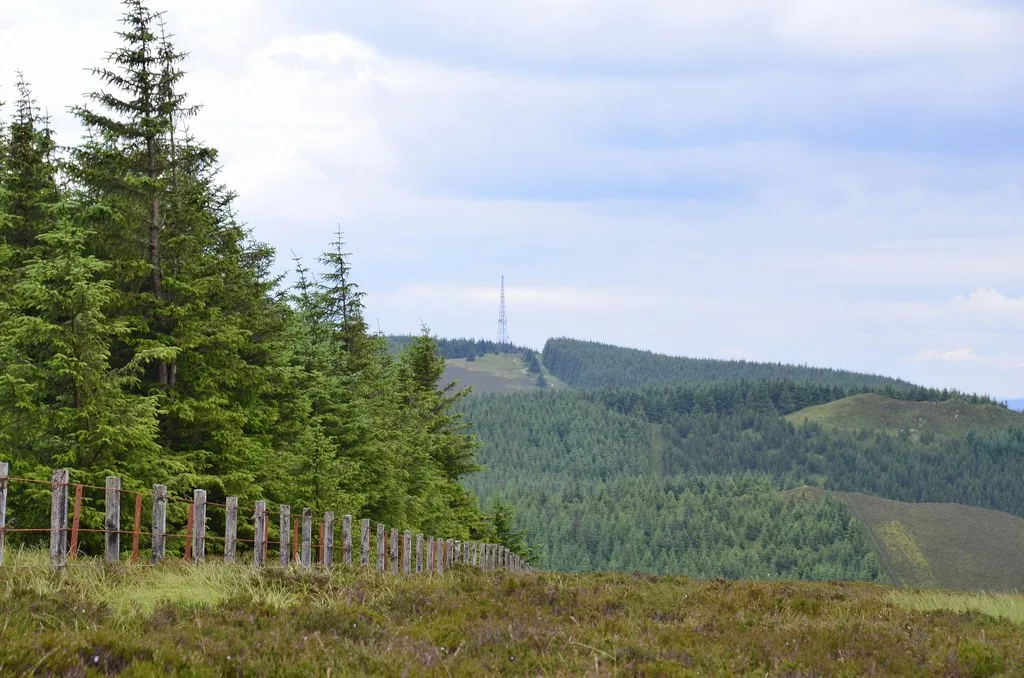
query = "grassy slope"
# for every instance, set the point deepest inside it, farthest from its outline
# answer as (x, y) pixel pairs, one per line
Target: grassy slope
(218, 620)
(870, 411)
(495, 374)
(941, 545)
(948, 545)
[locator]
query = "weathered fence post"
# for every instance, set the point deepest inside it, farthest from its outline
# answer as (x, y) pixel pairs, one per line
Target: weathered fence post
(439, 553)
(259, 542)
(428, 556)
(328, 540)
(230, 529)
(364, 526)
(59, 518)
(381, 548)
(199, 526)
(286, 528)
(407, 553)
(3, 507)
(419, 552)
(394, 550)
(112, 520)
(346, 539)
(76, 516)
(137, 528)
(159, 523)
(305, 554)
(449, 553)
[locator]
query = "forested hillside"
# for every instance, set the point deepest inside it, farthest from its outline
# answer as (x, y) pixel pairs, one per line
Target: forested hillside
(588, 364)
(673, 478)
(143, 334)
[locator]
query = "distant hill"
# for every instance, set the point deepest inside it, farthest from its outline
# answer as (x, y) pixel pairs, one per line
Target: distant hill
(496, 373)
(588, 364)
(942, 545)
(875, 412)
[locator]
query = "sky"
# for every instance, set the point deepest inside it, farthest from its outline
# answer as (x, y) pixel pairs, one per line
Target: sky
(833, 183)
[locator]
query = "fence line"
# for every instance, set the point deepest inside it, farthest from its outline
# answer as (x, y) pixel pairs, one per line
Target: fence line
(394, 548)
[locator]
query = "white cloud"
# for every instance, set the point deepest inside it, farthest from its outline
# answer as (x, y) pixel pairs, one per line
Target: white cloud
(990, 303)
(958, 355)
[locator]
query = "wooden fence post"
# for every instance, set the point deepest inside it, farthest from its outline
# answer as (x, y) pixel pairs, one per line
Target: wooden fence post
(76, 517)
(364, 526)
(286, 527)
(428, 556)
(346, 539)
(381, 549)
(259, 542)
(407, 553)
(439, 553)
(230, 529)
(199, 526)
(59, 518)
(307, 537)
(112, 521)
(159, 523)
(419, 552)
(449, 553)
(327, 542)
(136, 528)
(394, 550)
(3, 507)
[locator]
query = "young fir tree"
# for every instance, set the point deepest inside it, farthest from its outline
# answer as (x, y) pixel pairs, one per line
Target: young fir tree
(442, 435)
(29, 175)
(190, 283)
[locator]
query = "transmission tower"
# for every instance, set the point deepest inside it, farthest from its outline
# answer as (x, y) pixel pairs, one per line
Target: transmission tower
(503, 338)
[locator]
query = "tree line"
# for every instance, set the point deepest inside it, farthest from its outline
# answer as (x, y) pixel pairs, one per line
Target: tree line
(144, 333)
(588, 364)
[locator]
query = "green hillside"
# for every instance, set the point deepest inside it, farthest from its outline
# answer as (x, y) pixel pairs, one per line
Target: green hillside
(694, 477)
(496, 373)
(946, 545)
(875, 412)
(588, 364)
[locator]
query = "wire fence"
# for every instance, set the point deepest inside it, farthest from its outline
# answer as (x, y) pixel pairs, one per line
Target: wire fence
(303, 540)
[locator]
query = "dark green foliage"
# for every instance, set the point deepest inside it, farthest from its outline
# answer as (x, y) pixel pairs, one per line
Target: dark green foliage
(621, 479)
(142, 334)
(587, 364)
(453, 349)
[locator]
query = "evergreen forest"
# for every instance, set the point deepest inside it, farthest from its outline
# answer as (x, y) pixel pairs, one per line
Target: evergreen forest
(145, 334)
(702, 479)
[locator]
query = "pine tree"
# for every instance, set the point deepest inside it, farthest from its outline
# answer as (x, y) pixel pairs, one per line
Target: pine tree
(63, 403)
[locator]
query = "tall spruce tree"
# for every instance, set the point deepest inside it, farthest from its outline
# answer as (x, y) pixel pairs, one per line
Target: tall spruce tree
(190, 281)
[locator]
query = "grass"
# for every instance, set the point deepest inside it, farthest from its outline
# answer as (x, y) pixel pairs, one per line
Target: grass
(216, 619)
(504, 373)
(996, 605)
(874, 412)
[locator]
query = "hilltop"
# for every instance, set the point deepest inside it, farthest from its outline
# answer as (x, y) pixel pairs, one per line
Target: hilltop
(496, 373)
(589, 364)
(876, 412)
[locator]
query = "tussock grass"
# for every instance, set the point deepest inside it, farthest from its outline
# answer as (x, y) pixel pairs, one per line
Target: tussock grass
(217, 619)
(996, 605)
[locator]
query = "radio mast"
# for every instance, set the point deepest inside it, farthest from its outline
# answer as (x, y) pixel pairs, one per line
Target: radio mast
(503, 339)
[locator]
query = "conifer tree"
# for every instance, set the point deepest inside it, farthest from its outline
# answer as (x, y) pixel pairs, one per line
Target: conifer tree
(62, 403)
